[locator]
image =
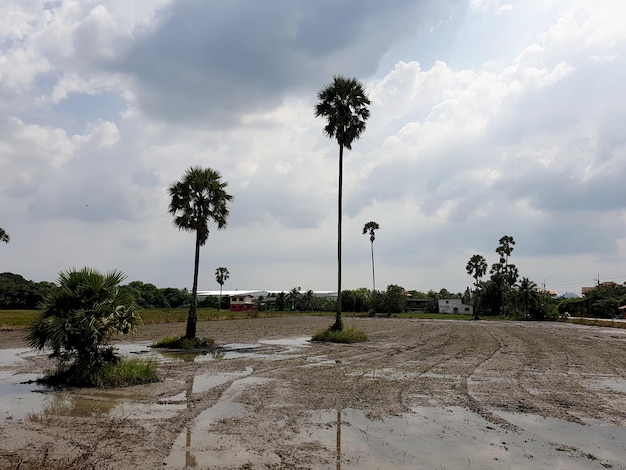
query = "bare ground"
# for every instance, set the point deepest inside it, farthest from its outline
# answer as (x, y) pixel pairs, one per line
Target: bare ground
(282, 407)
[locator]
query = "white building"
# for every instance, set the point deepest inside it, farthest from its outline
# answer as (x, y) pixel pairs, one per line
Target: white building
(455, 306)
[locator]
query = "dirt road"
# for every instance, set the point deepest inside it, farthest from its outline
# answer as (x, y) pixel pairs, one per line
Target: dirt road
(419, 394)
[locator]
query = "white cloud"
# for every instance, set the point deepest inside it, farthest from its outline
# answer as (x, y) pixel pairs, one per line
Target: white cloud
(106, 103)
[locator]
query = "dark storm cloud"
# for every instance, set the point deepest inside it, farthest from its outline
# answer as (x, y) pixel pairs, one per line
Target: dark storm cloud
(219, 60)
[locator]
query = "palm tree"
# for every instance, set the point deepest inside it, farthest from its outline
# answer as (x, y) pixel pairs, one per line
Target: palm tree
(344, 104)
(504, 273)
(281, 298)
(196, 199)
(370, 228)
(308, 299)
(4, 237)
(477, 268)
(527, 291)
(78, 320)
(294, 297)
(221, 276)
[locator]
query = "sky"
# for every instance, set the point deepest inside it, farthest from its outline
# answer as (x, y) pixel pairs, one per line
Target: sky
(488, 118)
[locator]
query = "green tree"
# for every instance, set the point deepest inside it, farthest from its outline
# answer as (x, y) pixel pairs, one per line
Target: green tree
(4, 237)
(395, 298)
(294, 298)
(477, 268)
(503, 273)
(221, 276)
(79, 319)
(345, 106)
(198, 198)
(281, 299)
(308, 300)
(371, 228)
(528, 295)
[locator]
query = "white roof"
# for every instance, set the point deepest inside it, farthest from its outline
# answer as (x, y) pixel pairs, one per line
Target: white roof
(258, 293)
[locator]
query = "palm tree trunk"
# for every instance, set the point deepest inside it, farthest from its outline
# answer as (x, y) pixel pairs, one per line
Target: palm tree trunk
(192, 318)
(338, 326)
(476, 302)
(373, 277)
(219, 304)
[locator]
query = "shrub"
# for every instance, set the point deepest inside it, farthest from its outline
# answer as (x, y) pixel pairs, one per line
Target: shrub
(346, 335)
(180, 342)
(78, 321)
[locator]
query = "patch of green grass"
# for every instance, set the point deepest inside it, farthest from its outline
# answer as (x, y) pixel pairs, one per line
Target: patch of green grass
(17, 319)
(347, 335)
(128, 372)
(434, 316)
(122, 373)
(597, 322)
(180, 342)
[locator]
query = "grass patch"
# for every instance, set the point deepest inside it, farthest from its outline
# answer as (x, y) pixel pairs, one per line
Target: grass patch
(122, 373)
(347, 335)
(180, 342)
(21, 319)
(17, 319)
(597, 322)
(129, 372)
(434, 316)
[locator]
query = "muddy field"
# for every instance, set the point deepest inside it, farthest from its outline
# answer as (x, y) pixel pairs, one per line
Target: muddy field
(420, 394)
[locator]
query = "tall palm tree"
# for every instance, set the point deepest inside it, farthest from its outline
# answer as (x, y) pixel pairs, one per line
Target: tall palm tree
(198, 198)
(78, 320)
(4, 237)
(477, 268)
(344, 104)
(370, 228)
(221, 276)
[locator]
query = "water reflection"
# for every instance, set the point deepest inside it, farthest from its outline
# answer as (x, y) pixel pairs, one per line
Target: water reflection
(338, 439)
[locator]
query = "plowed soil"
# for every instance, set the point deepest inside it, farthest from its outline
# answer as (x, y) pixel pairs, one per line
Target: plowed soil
(281, 406)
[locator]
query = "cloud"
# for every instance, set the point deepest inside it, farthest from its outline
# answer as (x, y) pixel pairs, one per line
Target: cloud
(486, 120)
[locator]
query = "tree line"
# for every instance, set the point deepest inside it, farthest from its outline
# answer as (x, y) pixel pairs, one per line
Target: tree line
(504, 293)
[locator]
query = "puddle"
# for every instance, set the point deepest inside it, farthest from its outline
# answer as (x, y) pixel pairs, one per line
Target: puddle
(18, 398)
(10, 357)
(21, 400)
(197, 444)
(204, 382)
(457, 438)
(615, 385)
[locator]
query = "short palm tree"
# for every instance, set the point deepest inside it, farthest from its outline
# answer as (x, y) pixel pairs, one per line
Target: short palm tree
(371, 228)
(221, 276)
(80, 317)
(477, 268)
(294, 297)
(345, 106)
(4, 237)
(198, 198)
(527, 292)
(281, 298)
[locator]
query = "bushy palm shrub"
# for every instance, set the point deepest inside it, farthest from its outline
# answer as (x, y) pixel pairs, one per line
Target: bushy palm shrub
(78, 321)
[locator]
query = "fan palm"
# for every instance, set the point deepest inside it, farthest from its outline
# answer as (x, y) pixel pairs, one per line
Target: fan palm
(221, 276)
(198, 198)
(527, 292)
(80, 317)
(477, 268)
(370, 228)
(344, 104)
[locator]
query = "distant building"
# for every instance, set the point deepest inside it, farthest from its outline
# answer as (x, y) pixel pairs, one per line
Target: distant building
(239, 303)
(415, 305)
(455, 306)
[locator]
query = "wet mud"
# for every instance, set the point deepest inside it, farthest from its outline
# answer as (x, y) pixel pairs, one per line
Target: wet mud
(420, 394)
